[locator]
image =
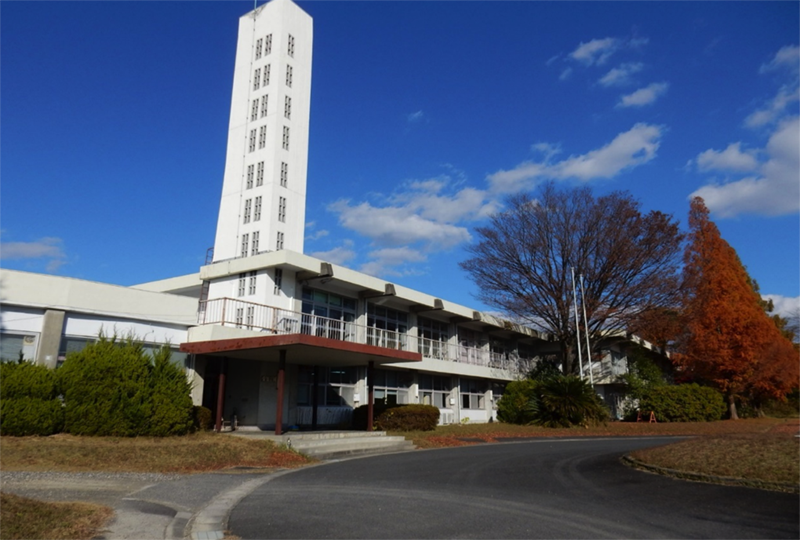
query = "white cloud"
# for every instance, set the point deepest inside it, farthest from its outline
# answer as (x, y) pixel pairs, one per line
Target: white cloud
(630, 149)
(339, 255)
(565, 74)
(596, 51)
(44, 248)
(415, 117)
(730, 159)
(774, 109)
(775, 191)
(785, 306)
(621, 75)
(787, 57)
(644, 96)
(384, 262)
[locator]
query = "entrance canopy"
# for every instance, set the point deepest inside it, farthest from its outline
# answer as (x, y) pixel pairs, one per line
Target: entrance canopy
(300, 349)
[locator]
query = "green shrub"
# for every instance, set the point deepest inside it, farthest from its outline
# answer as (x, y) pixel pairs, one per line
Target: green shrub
(512, 407)
(409, 418)
(24, 416)
(28, 400)
(202, 417)
(684, 403)
(566, 401)
(115, 388)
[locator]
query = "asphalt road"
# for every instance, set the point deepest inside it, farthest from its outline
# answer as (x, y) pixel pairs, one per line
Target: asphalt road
(532, 489)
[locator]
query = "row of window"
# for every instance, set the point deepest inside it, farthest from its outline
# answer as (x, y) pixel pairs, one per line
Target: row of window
(252, 248)
(262, 138)
(258, 81)
(262, 104)
(256, 171)
(256, 209)
(264, 46)
(248, 282)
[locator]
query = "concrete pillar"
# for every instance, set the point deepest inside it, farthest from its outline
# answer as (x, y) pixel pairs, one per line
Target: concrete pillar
(50, 338)
(281, 382)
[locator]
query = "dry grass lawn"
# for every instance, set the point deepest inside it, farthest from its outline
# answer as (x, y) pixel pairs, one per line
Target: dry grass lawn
(22, 518)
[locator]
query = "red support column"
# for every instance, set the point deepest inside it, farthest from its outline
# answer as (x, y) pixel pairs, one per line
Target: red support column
(223, 367)
(279, 405)
(370, 393)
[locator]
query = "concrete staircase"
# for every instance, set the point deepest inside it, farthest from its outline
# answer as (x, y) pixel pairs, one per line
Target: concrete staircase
(330, 445)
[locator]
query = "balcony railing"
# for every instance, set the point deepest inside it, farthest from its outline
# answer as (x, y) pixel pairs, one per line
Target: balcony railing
(262, 318)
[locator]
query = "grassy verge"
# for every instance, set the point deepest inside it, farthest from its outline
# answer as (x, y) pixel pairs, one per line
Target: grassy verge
(24, 518)
(200, 452)
(458, 435)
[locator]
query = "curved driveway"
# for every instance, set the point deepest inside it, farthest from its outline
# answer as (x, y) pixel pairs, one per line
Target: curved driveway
(546, 488)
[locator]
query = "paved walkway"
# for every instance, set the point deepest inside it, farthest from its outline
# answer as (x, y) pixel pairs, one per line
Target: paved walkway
(148, 506)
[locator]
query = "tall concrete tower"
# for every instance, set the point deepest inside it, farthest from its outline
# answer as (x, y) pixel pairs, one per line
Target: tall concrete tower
(263, 201)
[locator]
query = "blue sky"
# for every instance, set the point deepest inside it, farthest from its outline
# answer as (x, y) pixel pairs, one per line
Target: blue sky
(424, 117)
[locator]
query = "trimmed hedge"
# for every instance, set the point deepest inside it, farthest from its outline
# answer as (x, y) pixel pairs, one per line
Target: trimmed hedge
(409, 418)
(359, 419)
(28, 400)
(512, 408)
(684, 403)
(203, 418)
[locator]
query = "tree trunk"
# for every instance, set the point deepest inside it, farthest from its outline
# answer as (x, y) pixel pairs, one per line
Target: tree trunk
(732, 407)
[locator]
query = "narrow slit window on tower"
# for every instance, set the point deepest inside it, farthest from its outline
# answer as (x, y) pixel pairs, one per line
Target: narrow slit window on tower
(251, 284)
(279, 242)
(264, 106)
(239, 317)
(242, 278)
(282, 209)
(250, 317)
(278, 280)
(254, 248)
(245, 244)
(287, 107)
(254, 110)
(289, 76)
(258, 48)
(268, 45)
(249, 176)
(257, 79)
(284, 174)
(257, 211)
(285, 137)
(266, 75)
(247, 206)
(252, 146)
(262, 136)
(290, 47)
(260, 174)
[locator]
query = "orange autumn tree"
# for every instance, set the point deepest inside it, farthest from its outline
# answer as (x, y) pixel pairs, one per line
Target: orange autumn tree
(726, 332)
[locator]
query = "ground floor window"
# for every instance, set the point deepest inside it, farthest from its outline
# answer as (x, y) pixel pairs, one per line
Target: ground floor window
(391, 387)
(473, 394)
(336, 386)
(435, 390)
(16, 346)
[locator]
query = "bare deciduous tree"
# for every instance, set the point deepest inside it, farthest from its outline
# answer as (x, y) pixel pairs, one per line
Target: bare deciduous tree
(630, 262)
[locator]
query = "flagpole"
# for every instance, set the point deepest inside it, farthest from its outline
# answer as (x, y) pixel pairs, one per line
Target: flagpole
(586, 331)
(577, 321)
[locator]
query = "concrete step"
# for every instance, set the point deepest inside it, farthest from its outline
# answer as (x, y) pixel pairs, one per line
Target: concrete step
(327, 445)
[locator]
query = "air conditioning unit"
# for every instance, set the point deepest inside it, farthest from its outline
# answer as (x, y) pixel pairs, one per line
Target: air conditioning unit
(446, 417)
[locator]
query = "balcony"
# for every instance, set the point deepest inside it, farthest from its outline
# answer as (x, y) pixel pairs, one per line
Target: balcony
(262, 318)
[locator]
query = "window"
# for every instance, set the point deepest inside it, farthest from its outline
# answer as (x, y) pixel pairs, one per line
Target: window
(245, 242)
(242, 278)
(285, 138)
(268, 45)
(289, 76)
(254, 250)
(473, 393)
(254, 110)
(260, 174)
(434, 390)
(264, 106)
(433, 336)
(278, 281)
(251, 281)
(335, 386)
(279, 242)
(266, 75)
(247, 206)
(282, 209)
(391, 387)
(239, 317)
(259, 42)
(328, 315)
(262, 136)
(287, 107)
(257, 79)
(257, 211)
(249, 176)
(252, 146)
(387, 327)
(284, 174)
(251, 315)
(290, 48)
